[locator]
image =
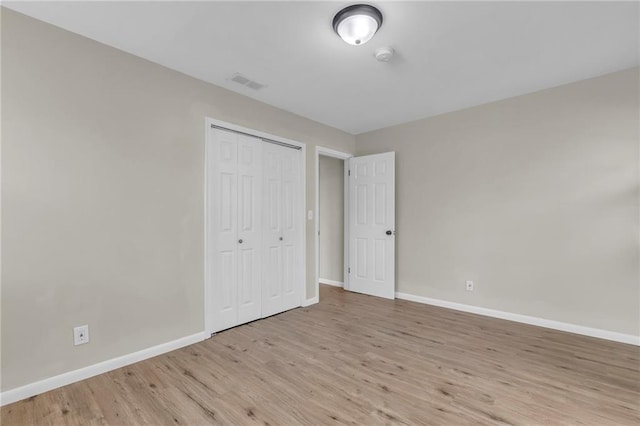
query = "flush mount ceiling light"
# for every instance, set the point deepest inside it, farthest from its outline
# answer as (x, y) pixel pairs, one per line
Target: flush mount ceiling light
(357, 24)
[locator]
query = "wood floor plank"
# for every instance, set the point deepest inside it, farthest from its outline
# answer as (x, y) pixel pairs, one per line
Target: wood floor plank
(355, 359)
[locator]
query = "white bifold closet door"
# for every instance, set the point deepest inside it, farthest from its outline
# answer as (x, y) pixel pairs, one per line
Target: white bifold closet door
(237, 229)
(282, 229)
(255, 229)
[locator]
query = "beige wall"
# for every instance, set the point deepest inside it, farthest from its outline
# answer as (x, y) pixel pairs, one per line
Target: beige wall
(535, 198)
(102, 197)
(331, 218)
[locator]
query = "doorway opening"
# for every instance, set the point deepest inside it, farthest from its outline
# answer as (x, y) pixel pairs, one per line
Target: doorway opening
(331, 220)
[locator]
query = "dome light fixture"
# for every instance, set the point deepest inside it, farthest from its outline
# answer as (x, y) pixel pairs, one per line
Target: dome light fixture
(356, 24)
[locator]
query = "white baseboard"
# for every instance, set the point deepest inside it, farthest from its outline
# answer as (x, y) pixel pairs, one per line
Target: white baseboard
(331, 282)
(310, 302)
(540, 322)
(35, 388)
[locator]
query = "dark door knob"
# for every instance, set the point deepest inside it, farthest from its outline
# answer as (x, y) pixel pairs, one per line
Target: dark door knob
(280, 238)
(389, 232)
(240, 241)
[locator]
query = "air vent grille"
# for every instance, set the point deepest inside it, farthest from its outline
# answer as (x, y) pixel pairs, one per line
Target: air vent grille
(255, 86)
(241, 79)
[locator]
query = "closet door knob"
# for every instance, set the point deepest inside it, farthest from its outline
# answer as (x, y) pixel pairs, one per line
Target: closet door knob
(280, 238)
(240, 241)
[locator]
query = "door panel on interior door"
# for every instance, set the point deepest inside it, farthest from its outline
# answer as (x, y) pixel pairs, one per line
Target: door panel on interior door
(288, 279)
(380, 197)
(227, 278)
(273, 278)
(361, 205)
(380, 248)
(246, 277)
(372, 224)
(360, 258)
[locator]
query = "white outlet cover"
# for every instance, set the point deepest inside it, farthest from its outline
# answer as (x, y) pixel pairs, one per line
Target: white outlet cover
(80, 335)
(469, 285)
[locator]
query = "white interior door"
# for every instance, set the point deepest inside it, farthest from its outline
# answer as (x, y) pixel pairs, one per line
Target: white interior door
(372, 225)
(282, 230)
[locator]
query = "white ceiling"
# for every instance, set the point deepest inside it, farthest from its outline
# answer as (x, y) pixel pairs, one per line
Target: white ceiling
(450, 55)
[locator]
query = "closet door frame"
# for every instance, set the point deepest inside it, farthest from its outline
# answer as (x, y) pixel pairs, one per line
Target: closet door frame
(211, 203)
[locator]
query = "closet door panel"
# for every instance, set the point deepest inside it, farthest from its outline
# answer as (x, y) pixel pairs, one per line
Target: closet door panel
(288, 271)
(272, 230)
(273, 277)
(249, 228)
(292, 227)
(224, 189)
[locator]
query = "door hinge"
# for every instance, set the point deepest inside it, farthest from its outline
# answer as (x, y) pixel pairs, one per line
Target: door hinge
(349, 270)
(349, 172)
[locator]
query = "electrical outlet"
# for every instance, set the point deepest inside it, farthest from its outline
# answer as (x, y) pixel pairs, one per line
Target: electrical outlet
(80, 335)
(469, 285)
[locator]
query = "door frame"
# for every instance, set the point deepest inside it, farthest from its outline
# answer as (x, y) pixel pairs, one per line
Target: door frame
(209, 204)
(328, 152)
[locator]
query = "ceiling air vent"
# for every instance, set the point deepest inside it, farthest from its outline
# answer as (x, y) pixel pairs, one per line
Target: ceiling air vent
(241, 79)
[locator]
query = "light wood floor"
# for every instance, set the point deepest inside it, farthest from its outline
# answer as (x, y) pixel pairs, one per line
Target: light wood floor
(362, 360)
